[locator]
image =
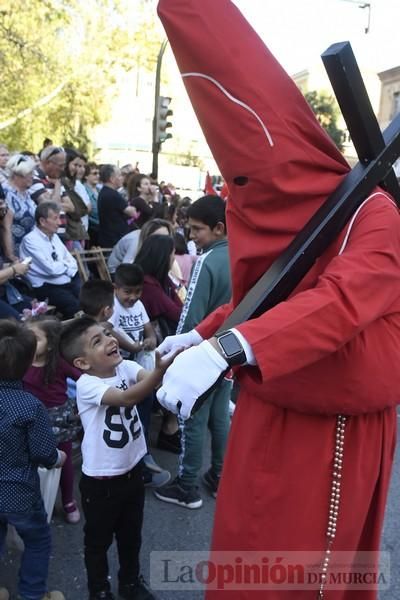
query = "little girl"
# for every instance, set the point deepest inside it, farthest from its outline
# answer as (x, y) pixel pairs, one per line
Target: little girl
(47, 380)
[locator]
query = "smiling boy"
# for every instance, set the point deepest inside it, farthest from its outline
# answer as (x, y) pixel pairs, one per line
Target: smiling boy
(129, 312)
(113, 446)
(135, 335)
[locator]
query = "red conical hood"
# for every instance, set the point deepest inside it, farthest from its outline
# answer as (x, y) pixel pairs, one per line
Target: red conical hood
(278, 162)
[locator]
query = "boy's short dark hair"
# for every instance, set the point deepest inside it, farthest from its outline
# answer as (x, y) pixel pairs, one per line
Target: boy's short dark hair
(95, 295)
(71, 345)
(209, 210)
(17, 349)
(127, 275)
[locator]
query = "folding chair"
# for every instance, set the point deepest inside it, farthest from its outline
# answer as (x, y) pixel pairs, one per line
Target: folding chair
(95, 257)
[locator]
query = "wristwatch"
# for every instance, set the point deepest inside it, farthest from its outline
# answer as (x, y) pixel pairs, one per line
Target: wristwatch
(232, 350)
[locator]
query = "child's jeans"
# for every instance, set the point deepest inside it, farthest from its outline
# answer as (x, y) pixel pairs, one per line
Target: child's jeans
(35, 533)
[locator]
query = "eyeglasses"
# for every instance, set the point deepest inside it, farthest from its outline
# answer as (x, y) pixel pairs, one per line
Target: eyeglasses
(54, 255)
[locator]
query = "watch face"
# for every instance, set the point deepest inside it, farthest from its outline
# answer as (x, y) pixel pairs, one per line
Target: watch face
(230, 344)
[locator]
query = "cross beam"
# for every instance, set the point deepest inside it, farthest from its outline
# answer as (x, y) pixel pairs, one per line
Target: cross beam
(344, 74)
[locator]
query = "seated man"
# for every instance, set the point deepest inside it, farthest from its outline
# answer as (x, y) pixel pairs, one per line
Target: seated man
(53, 273)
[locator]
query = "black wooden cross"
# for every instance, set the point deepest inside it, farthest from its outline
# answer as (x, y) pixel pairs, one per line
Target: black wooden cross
(376, 151)
(344, 74)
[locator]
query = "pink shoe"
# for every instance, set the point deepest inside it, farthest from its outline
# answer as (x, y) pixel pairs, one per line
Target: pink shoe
(72, 514)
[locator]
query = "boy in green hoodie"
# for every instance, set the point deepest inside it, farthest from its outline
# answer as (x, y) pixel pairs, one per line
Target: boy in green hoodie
(209, 288)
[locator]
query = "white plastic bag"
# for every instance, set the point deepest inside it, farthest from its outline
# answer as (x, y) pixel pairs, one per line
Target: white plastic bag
(49, 482)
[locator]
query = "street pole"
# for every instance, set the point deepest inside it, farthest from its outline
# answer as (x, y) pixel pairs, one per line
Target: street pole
(156, 145)
(362, 4)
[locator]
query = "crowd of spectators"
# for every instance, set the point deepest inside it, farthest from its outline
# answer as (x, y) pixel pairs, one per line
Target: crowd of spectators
(57, 202)
(54, 206)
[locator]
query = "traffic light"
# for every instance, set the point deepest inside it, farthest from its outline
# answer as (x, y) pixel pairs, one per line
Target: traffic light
(162, 123)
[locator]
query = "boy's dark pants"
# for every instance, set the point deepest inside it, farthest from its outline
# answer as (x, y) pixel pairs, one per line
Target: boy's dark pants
(111, 507)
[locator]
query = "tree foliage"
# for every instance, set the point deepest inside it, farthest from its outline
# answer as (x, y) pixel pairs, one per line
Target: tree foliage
(327, 112)
(61, 61)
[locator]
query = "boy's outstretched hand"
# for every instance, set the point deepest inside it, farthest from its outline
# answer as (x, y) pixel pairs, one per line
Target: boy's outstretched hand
(149, 344)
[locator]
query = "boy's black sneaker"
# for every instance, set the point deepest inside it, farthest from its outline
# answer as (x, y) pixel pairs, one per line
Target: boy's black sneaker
(135, 591)
(176, 493)
(211, 480)
(170, 442)
(103, 595)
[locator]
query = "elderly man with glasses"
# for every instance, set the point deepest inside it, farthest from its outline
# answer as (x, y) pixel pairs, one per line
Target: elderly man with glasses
(53, 271)
(47, 186)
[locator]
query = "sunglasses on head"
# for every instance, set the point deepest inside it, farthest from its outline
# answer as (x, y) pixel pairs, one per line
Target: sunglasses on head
(56, 150)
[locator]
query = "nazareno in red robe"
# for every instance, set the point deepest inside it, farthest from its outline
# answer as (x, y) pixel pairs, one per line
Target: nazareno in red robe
(332, 348)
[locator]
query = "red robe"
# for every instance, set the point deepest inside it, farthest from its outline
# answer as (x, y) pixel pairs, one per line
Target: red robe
(332, 348)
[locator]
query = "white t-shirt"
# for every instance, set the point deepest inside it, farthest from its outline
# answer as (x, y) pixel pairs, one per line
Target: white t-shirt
(113, 441)
(130, 320)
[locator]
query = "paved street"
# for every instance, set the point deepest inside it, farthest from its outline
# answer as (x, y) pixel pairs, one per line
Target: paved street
(173, 528)
(166, 527)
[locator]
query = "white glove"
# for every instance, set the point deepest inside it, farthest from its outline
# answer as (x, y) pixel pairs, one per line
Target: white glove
(191, 374)
(182, 340)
